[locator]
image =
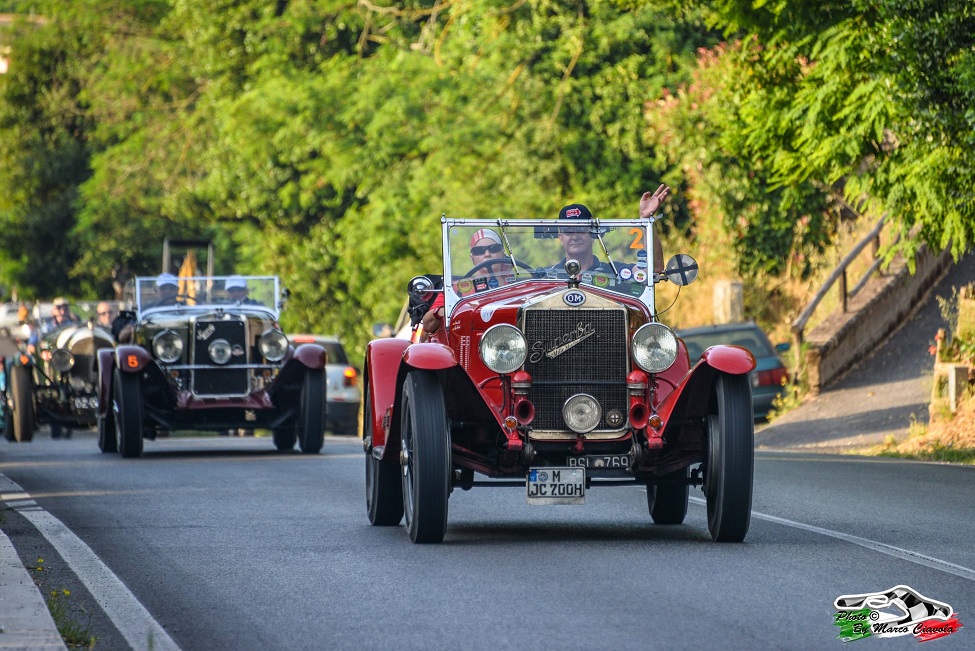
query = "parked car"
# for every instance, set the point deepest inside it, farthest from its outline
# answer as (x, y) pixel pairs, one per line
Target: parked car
(205, 361)
(557, 379)
(770, 374)
(344, 396)
(9, 321)
(55, 384)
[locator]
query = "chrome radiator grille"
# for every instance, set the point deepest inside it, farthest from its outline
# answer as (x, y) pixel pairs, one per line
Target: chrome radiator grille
(576, 351)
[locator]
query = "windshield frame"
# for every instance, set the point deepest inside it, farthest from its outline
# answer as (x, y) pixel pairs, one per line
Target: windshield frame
(452, 298)
(210, 281)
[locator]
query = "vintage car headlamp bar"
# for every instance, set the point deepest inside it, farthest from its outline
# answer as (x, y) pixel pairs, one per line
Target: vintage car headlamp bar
(503, 348)
(273, 345)
(167, 346)
(654, 347)
(62, 360)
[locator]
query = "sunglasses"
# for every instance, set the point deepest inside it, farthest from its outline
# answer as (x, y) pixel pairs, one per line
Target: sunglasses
(573, 231)
(60, 307)
(490, 248)
(104, 313)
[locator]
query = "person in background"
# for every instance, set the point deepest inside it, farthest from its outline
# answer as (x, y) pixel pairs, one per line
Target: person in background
(63, 316)
(104, 314)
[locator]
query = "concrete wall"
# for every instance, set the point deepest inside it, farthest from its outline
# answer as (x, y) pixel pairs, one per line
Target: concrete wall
(843, 339)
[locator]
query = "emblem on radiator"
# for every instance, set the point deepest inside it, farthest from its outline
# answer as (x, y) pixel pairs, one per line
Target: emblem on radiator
(205, 333)
(562, 343)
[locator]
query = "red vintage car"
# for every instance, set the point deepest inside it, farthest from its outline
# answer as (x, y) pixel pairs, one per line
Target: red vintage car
(554, 372)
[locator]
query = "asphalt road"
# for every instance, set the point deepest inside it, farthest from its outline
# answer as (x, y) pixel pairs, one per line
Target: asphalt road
(229, 545)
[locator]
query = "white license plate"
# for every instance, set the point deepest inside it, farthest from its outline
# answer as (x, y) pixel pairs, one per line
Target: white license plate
(556, 486)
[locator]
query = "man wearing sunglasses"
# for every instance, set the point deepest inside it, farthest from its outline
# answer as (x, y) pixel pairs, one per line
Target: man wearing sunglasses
(485, 245)
(62, 316)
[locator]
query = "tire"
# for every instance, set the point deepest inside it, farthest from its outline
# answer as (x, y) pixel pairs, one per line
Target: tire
(426, 449)
(668, 502)
(284, 438)
(8, 422)
(384, 488)
(127, 409)
(311, 414)
(22, 396)
(106, 430)
(730, 459)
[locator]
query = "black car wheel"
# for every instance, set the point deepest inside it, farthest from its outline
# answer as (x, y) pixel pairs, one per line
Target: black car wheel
(384, 488)
(730, 459)
(22, 411)
(311, 415)
(127, 407)
(426, 457)
(8, 421)
(668, 501)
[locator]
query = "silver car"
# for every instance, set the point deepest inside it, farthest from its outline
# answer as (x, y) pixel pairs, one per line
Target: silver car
(343, 395)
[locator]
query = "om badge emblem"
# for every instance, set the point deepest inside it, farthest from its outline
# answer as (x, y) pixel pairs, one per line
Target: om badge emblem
(574, 298)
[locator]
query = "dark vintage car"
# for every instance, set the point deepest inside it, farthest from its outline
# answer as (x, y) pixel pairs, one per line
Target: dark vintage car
(201, 361)
(55, 384)
(769, 375)
(557, 379)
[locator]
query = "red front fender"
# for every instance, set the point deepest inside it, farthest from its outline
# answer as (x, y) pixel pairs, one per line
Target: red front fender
(690, 399)
(430, 357)
(311, 356)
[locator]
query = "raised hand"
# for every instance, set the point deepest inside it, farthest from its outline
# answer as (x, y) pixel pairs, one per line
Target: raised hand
(650, 203)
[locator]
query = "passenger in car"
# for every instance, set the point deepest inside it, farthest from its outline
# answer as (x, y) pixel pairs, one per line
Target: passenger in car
(62, 316)
(236, 287)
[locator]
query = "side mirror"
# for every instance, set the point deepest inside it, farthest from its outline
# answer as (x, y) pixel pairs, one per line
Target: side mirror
(382, 330)
(681, 269)
(421, 288)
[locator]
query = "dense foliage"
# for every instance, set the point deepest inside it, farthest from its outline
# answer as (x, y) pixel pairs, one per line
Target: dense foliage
(322, 140)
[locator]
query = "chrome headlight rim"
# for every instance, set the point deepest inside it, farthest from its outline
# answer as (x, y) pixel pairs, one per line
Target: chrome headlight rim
(220, 351)
(496, 336)
(654, 347)
(570, 421)
(271, 339)
(161, 340)
(62, 360)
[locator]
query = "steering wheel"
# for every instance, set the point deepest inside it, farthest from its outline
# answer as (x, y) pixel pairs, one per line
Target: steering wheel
(493, 261)
(186, 298)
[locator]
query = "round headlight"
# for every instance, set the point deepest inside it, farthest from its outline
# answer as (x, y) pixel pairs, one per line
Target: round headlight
(62, 360)
(219, 351)
(654, 347)
(581, 413)
(503, 348)
(273, 345)
(167, 346)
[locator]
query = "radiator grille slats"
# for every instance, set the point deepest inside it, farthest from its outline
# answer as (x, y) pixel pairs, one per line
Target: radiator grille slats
(576, 351)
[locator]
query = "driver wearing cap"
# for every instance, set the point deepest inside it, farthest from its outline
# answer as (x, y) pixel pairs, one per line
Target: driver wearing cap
(236, 287)
(485, 245)
(167, 291)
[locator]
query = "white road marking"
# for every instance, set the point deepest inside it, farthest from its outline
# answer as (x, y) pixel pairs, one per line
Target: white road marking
(130, 617)
(883, 548)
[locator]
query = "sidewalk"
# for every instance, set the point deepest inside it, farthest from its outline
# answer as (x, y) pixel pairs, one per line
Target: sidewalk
(25, 622)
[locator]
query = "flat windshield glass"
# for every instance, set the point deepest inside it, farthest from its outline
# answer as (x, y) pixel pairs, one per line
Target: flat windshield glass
(485, 256)
(209, 291)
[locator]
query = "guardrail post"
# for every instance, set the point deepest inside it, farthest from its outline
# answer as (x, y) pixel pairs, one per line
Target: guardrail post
(875, 251)
(842, 284)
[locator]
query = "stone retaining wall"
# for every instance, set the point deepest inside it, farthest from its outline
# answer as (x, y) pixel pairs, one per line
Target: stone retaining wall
(843, 339)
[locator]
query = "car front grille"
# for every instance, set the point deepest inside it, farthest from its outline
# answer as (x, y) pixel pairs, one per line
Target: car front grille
(224, 379)
(576, 351)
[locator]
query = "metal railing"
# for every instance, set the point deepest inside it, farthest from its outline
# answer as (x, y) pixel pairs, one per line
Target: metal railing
(838, 275)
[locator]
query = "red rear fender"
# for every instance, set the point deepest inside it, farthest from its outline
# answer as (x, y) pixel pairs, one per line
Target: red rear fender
(383, 360)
